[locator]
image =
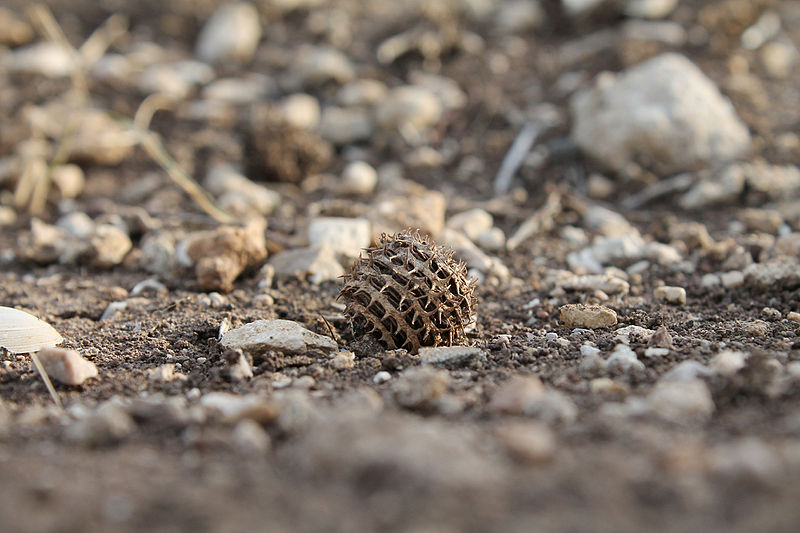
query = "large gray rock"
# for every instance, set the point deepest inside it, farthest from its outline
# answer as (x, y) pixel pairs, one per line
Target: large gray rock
(664, 113)
(277, 335)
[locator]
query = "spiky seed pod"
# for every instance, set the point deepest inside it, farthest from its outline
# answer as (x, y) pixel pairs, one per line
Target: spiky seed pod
(407, 292)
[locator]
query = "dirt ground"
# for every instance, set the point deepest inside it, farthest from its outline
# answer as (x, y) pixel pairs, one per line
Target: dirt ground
(337, 448)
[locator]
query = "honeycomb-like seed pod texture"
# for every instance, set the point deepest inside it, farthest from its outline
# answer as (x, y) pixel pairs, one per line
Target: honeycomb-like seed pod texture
(408, 293)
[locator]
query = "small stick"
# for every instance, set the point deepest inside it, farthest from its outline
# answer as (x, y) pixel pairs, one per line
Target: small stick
(330, 329)
(675, 184)
(49, 384)
(515, 155)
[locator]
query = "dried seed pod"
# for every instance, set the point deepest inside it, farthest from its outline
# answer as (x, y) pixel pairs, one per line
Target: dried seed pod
(408, 293)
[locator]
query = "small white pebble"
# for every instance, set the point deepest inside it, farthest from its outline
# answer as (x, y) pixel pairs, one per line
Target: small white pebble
(343, 361)
(359, 178)
(193, 394)
(589, 350)
(654, 352)
(381, 377)
(671, 295)
(732, 279)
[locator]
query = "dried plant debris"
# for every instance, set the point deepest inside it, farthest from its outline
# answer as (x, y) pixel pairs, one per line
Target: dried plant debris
(277, 151)
(408, 292)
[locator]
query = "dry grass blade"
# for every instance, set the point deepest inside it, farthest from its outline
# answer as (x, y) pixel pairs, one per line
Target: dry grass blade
(47, 383)
(156, 150)
(33, 186)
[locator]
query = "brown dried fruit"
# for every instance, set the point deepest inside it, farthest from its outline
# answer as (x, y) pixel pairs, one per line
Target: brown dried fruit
(408, 293)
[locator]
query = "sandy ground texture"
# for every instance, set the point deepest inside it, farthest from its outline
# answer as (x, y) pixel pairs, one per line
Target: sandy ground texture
(620, 177)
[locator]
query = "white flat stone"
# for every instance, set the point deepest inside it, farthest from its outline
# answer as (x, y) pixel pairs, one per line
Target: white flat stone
(277, 335)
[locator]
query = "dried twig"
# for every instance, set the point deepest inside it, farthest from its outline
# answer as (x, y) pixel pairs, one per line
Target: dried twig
(542, 220)
(47, 383)
(516, 154)
(330, 329)
(156, 150)
(678, 183)
(33, 186)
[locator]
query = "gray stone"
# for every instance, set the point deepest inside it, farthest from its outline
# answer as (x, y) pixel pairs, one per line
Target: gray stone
(664, 112)
(316, 65)
(69, 180)
(245, 90)
(250, 438)
(381, 377)
(176, 80)
(528, 396)
(718, 189)
(623, 360)
(518, 16)
(409, 109)
(746, 458)
(345, 125)
(591, 365)
(277, 335)
(301, 110)
(596, 282)
(296, 411)
(779, 59)
(47, 58)
(681, 401)
(344, 361)
(632, 333)
(359, 179)
(318, 263)
(234, 407)
(108, 246)
(231, 33)
(471, 223)
(783, 271)
(239, 195)
(650, 9)
(608, 222)
(420, 387)
(671, 295)
(451, 356)
(7, 216)
(732, 279)
(106, 425)
(77, 223)
(361, 92)
(687, 371)
(158, 253)
(528, 442)
(346, 236)
(492, 240)
(727, 362)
